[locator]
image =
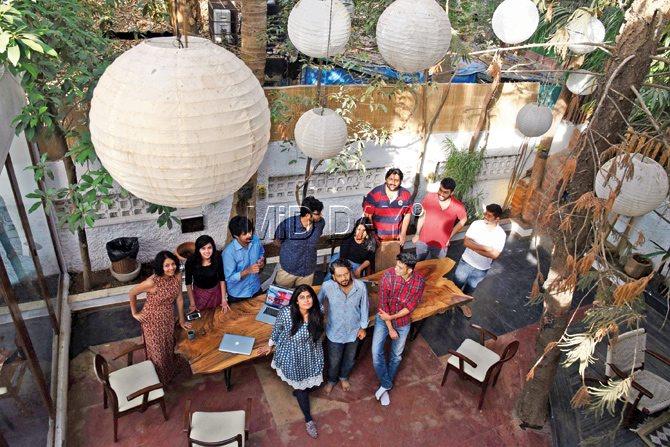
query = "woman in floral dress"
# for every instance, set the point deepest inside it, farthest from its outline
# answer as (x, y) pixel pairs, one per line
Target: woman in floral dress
(157, 314)
(297, 336)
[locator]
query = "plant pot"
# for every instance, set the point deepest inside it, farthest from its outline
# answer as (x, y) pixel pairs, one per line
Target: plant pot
(125, 277)
(184, 251)
(636, 266)
(125, 265)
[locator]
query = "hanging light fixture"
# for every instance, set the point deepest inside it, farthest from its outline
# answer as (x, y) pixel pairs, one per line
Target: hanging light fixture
(413, 35)
(641, 192)
(179, 126)
(514, 21)
(584, 27)
(317, 30)
(534, 120)
(581, 83)
(320, 133)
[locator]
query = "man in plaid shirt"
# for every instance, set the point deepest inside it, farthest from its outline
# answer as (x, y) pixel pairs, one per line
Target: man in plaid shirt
(400, 291)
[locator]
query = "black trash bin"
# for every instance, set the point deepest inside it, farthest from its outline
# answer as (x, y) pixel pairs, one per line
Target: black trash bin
(122, 251)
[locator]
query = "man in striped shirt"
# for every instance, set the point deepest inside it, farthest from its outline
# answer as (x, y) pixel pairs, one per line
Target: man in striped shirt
(389, 208)
(400, 291)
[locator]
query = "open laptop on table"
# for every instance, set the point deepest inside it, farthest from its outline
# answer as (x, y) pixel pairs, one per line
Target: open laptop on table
(237, 344)
(276, 298)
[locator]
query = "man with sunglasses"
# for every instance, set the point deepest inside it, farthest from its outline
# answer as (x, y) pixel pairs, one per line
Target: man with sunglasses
(442, 216)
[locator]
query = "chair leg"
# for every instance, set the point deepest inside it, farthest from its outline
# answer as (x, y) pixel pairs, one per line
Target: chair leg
(165, 415)
(627, 418)
(481, 396)
(116, 428)
(104, 399)
(495, 378)
(444, 377)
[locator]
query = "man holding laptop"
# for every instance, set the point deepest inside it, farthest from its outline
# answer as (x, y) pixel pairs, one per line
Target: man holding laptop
(346, 303)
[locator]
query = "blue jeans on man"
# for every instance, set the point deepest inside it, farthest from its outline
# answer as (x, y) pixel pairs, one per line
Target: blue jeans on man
(341, 358)
(425, 251)
(468, 277)
(386, 370)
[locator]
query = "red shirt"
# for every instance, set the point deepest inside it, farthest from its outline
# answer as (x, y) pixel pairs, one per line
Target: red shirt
(438, 223)
(395, 294)
(387, 216)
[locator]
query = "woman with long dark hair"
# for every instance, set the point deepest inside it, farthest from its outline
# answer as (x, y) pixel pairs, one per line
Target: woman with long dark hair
(297, 336)
(157, 315)
(358, 248)
(205, 280)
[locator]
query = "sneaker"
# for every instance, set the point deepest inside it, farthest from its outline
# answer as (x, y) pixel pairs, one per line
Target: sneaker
(385, 399)
(329, 387)
(310, 427)
(379, 392)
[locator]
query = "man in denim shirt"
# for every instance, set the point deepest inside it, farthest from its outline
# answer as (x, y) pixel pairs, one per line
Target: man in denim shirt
(243, 259)
(346, 302)
(298, 237)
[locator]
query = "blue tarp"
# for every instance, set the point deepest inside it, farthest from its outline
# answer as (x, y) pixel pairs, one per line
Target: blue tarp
(359, 75)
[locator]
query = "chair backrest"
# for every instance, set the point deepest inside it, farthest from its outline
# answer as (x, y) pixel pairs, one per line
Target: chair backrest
(101, 368)
(626, 351)
(509, 352)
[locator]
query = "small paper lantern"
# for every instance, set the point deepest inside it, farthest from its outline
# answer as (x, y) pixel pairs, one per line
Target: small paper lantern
(643, 192)
(515, 20)
(585, 28)
(320, 133)
(534, 120)
(309, 23)
(181, 127)
(413, 35)
(581, 83)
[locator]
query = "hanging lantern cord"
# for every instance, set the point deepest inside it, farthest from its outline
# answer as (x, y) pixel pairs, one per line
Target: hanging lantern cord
(321, 97)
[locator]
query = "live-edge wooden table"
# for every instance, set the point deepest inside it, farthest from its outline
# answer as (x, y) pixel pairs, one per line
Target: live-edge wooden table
(203, 352)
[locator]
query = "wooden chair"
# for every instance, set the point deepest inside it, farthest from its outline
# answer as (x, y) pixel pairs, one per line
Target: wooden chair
(132, 388)
(475, 362)
(216, 428)
(649, 393)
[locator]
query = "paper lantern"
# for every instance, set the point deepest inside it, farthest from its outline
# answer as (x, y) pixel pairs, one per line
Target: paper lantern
(534, 120)
(413, 35)
(585, 28)
(643, 192)
(320, 133)
(581, 83)
(309, 23)
(515, 20)
(181, 127)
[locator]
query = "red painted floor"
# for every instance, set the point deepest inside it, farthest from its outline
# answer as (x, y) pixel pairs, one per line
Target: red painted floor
(421, 412)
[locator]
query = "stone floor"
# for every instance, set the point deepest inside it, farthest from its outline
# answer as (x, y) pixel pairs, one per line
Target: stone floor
(421, 412)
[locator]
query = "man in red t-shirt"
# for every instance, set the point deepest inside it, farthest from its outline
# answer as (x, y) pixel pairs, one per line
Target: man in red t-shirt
(443, 215)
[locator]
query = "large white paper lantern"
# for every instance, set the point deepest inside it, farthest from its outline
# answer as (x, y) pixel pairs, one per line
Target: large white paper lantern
(585, 28)
(581, 83)
(643, 192)
(180, 127)
(320, 133)
(515, 20)
(534, 120)
(413, 35)
(309, 23)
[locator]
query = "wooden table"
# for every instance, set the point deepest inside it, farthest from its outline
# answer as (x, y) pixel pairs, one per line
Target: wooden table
(203, 353)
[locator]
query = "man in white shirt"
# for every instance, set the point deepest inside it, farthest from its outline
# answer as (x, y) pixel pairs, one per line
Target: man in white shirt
(484, 241)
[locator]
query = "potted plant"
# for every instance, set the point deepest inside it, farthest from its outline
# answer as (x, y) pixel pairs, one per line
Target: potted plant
(122, 252)
(637, 266)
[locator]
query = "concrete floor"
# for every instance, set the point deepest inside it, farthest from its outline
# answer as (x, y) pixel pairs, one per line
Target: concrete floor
(421, 412)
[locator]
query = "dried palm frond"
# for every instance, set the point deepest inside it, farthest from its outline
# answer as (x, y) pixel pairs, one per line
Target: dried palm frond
(581, 398)
(627, 292)
(587, 201)
(579, 348)
(606, 397)
(586, 262)
(569, 168)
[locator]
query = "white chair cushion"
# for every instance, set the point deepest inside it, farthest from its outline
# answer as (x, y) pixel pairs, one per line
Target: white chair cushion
(216, 426)
(482, 356)
(658, 386)
(133, 378)
(626, 351)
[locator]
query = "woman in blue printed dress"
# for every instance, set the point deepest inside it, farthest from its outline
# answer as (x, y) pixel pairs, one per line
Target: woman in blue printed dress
(298, 360)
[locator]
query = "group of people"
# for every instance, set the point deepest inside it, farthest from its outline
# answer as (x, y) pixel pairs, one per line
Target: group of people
(339, 312)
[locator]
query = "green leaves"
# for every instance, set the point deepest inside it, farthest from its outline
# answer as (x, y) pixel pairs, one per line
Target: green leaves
(165, 217)
(13, 55)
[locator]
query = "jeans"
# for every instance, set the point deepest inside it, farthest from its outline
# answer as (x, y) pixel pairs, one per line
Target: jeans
(467, 277)
(341, 357)
(386, 371)
(302, 396)
(334, 258)
(425, 251)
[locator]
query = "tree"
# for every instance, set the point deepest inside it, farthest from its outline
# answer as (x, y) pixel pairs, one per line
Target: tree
(625, 72)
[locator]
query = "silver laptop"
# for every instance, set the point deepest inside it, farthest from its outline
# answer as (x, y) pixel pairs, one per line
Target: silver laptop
(237, 344)
(275, 299)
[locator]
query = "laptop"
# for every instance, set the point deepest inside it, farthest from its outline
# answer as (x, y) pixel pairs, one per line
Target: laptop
(275, 299)
(237, 344)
